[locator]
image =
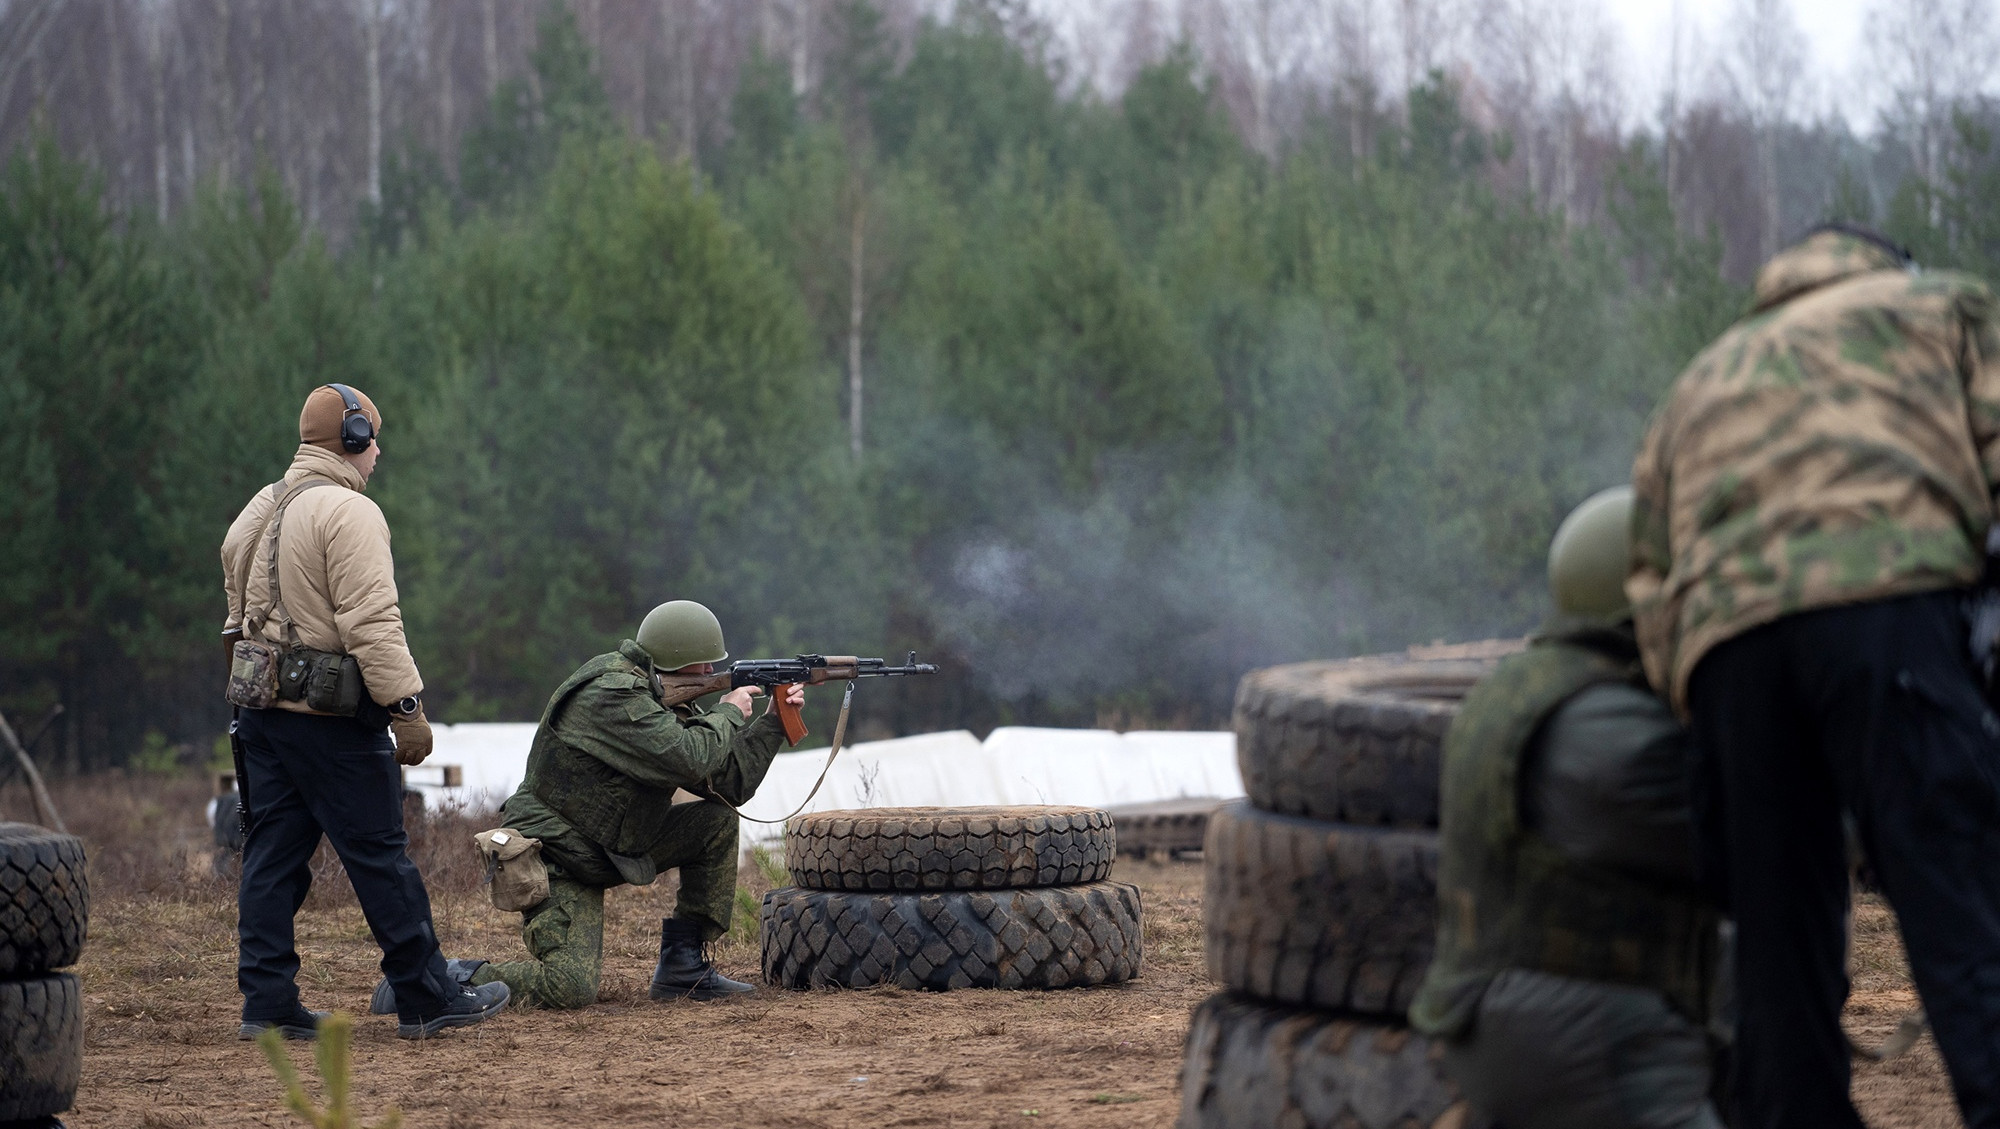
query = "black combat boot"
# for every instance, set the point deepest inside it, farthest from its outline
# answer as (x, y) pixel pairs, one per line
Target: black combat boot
(685, 972)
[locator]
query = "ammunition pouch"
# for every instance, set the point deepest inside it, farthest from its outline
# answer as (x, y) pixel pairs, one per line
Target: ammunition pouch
(325, 681)
(514, 868)
(253, 675)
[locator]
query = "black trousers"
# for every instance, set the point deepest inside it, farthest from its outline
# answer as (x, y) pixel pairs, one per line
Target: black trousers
(1874, 707)
(311, 776)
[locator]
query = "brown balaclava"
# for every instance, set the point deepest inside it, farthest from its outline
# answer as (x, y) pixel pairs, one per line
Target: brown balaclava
(319, 420)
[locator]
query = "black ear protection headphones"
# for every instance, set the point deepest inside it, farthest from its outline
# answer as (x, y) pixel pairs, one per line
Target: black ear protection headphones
(356, 431)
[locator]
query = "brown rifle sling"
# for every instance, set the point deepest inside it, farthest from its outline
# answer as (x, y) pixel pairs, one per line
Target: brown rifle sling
(839, 736)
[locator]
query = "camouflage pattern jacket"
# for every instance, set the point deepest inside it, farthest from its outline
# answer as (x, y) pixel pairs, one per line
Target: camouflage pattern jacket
(1838, 444)
(608, 756)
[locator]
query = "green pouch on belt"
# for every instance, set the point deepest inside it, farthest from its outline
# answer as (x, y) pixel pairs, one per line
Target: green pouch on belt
(333, 684)
(324, 680)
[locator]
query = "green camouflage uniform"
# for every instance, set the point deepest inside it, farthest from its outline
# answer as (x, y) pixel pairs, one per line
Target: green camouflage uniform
(1832, 447)
(1574, 967)
(598, 793)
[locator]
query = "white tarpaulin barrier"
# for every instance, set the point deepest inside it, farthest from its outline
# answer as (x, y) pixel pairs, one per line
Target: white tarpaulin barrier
(492, 756)
(905, 772)
(1014, 765)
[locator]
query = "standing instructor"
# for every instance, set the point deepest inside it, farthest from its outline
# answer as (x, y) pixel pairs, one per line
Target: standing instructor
(312, 588)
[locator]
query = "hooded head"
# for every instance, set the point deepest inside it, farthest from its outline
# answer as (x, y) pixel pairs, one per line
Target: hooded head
(320, 419)
(1826, 255)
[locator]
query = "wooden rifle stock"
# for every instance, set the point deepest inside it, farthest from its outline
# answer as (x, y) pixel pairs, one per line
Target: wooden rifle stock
(679, 689)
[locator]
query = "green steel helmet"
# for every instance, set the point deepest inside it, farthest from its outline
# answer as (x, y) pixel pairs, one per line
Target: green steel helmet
(1590, 556)
(679, 633)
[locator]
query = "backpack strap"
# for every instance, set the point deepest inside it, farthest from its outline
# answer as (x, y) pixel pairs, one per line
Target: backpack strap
(268, 537)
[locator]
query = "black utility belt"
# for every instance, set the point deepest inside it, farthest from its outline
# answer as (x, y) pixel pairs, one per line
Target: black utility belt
(260, 675)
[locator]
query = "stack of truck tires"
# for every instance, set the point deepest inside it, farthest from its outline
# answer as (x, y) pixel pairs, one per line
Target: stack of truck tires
(942, 898)
(44, 912)
(1320, 901)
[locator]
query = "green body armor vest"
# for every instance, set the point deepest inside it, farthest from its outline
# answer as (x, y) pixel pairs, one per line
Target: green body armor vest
(603, 804)
(1507, 898)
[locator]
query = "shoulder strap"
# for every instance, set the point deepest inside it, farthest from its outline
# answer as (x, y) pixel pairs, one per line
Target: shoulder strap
(273, 526)
(250, 553)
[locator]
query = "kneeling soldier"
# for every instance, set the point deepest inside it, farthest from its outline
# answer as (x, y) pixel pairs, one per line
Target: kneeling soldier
(1575, 961)
(598, 793)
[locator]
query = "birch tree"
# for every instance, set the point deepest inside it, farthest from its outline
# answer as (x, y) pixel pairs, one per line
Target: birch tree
(371, 47)
(1929, 58)
(1553, 64)
(1766, 63)
(1253, 46)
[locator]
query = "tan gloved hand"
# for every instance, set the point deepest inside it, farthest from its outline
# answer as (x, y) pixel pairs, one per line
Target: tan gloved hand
(413, 736)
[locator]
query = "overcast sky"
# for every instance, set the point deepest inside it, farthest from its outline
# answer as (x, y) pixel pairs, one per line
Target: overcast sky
(1838, 77)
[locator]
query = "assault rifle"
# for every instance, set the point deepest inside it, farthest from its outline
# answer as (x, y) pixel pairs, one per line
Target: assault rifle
(806, 670)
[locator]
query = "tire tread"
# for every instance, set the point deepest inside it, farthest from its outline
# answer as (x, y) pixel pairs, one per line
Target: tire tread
(41, 1045)
(1355, 741)
(1319, 914)
(1052, 937)
(44, 900)
(950, 848)
(1253, 1063)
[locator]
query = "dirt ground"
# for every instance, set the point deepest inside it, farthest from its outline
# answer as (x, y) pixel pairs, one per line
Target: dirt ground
(159, 985)
(161, 1052)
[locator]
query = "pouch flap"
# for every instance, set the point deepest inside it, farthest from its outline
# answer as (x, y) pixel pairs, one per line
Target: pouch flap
(505, 843)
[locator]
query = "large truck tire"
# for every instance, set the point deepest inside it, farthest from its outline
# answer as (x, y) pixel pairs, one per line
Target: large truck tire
(1255, 1065)
(1319, 914)
(44, 900)
(41, 1045)
(1053, 937)
(1357, 741)
(967, 848)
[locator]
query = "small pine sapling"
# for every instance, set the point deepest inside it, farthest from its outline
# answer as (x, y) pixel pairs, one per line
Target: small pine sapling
(330, 1053)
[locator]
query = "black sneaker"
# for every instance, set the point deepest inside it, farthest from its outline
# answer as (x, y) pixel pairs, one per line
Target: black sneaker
(471, 1005)
(383, 1001)
(685, 972)
(301, 1024)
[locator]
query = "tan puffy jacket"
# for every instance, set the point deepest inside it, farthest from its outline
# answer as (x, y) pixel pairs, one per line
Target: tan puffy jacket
(334, 572)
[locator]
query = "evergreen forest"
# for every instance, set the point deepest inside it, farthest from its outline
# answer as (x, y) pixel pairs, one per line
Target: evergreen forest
(1084, 398)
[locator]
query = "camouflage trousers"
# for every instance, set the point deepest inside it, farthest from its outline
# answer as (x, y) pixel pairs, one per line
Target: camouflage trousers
(565, 932)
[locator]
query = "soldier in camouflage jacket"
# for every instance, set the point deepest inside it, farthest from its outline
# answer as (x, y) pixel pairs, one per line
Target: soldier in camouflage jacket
(607, 760)
(1813, 501)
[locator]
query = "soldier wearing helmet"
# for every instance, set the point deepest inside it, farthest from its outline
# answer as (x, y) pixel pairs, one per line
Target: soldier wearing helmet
(1575, 961)
(598, 793)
